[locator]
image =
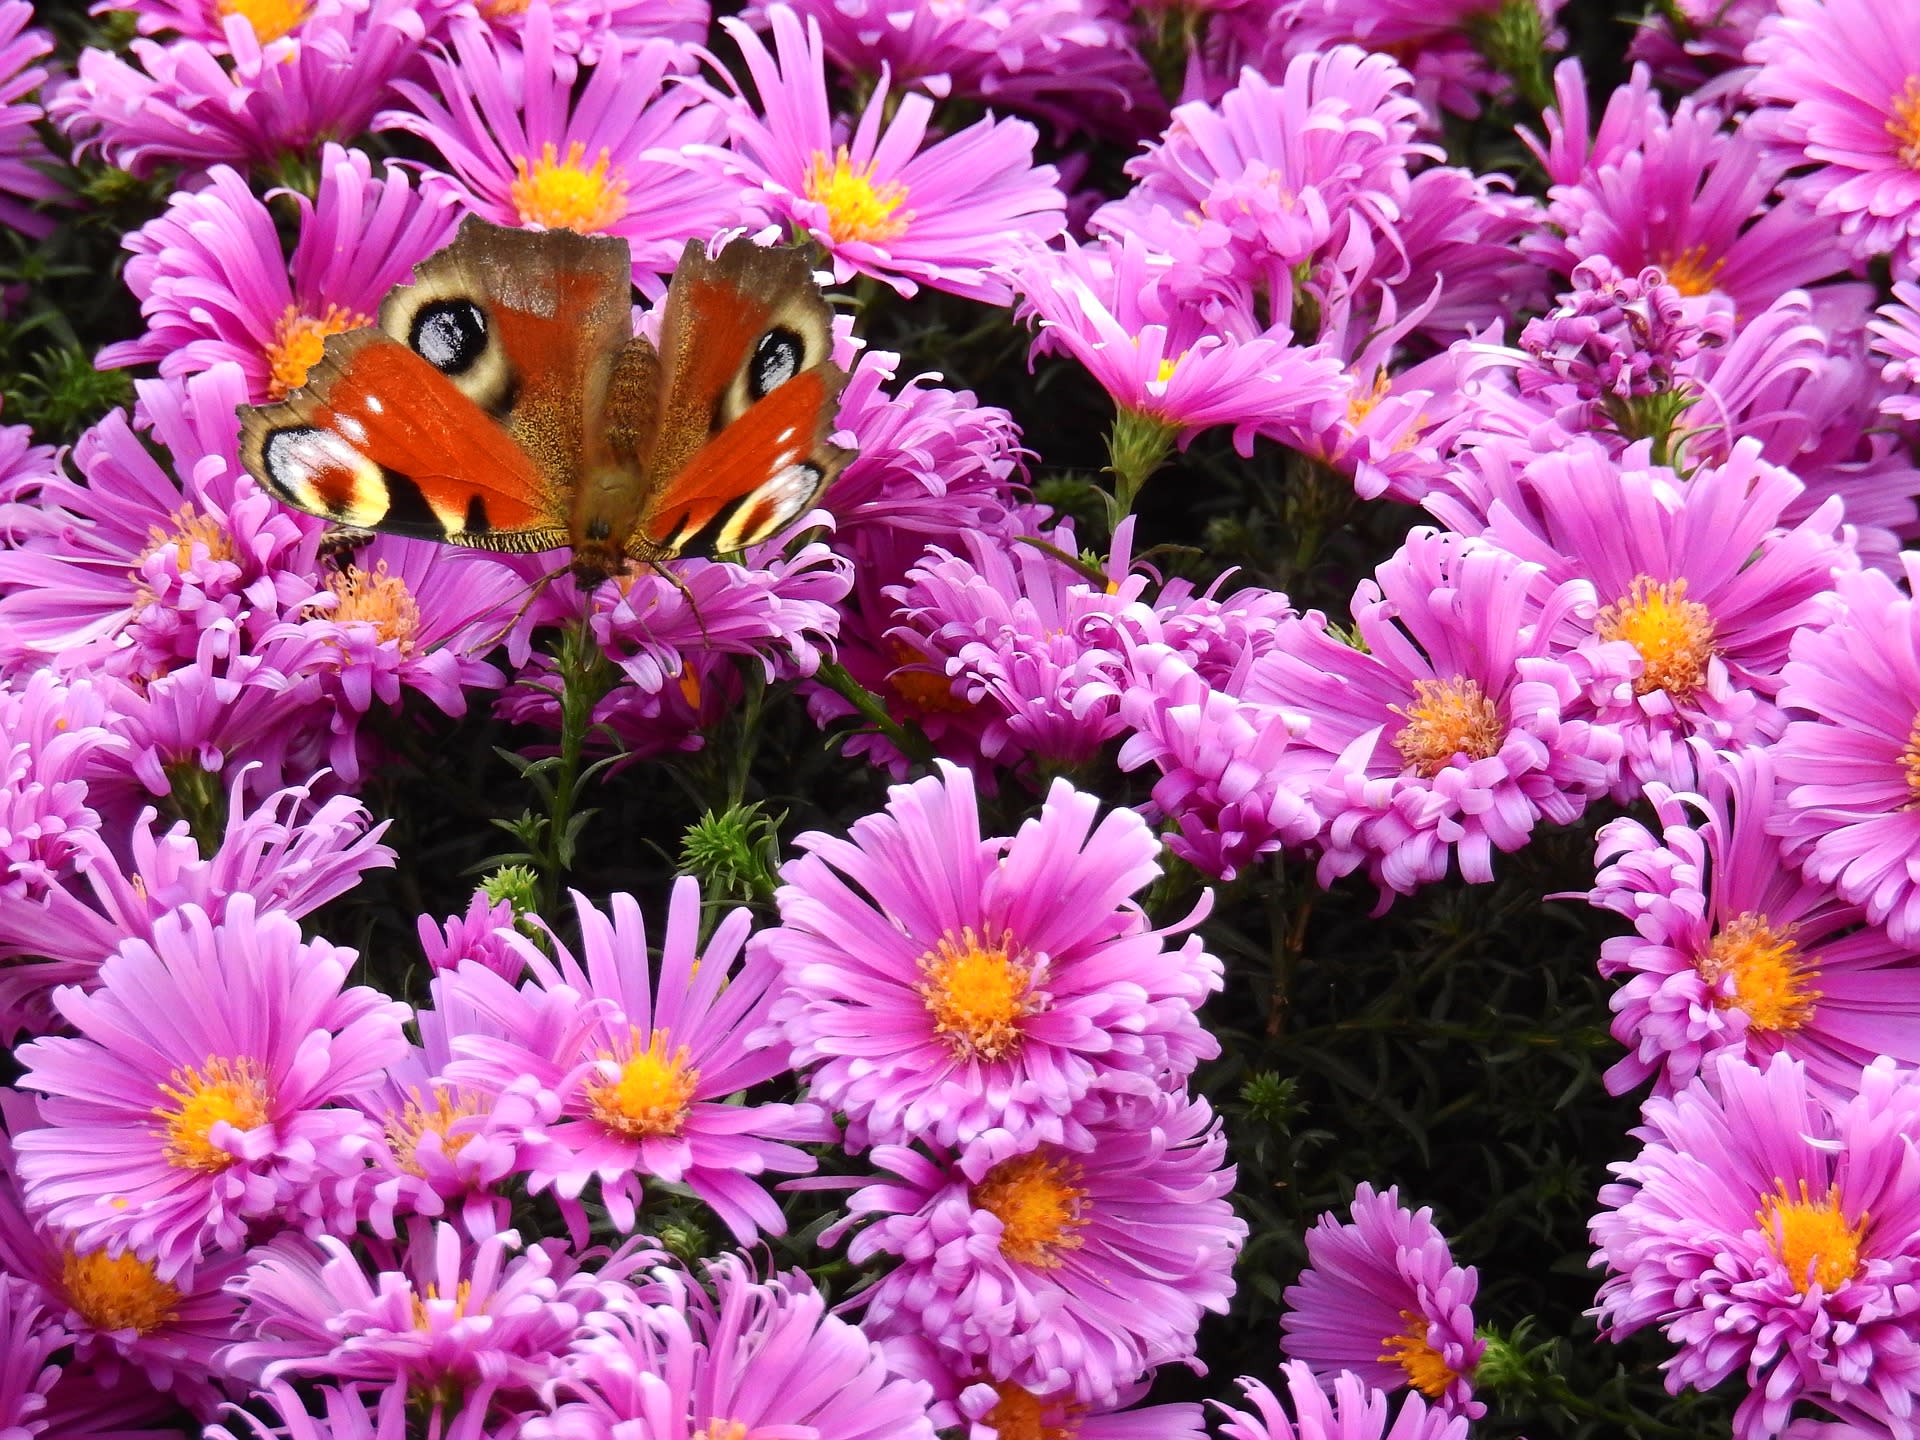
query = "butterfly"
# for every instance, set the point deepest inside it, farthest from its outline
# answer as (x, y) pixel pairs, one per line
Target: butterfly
(502, 401)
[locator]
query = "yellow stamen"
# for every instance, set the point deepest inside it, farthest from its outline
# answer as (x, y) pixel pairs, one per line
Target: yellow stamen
(503, 9)
(1039, 1203)
(569, 194)
(1165, 371)
(407, 1127)
(1812, 1237)
(721, 1430)
(1361, 403)
(190, 529)
(653, 1091)
(229, 1090)
(380, 600)
(298, 343)
(690, 685)
(1019, 1414)
(462, 1297)
(1772, 981)
(118, 1292)
(1689, 271)
(857, 209)
(1448, 719)
(976, 994)
(925, 690)
(1426, 1371)
(1910, 762)
(1673, 634)
(270, 18)
(1904, 123)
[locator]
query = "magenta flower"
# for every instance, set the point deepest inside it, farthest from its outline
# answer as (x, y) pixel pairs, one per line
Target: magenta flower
(1454, 730)
(1067, 62)
(1851, 765)
(247, 101)
(29, 1339)
(970, 991)
(953, 215)
(1063, 1269)
(1771, 1236)
(1737, 951)
(753, 1357)
(1844, 79)
(1382, 1298)
(24, 181)
(240, 1038)
(591, 27)
(1896, 331)
(348, 1414)
(610, 161)
(1353, 1411)
(1110, 307)
(1440, 36)
(473, 936)
(56, 735)
(622, 1074)
(213, 285)
(1702, 586)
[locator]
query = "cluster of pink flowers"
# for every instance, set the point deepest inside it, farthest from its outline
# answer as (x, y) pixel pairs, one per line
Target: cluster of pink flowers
(1658, 562)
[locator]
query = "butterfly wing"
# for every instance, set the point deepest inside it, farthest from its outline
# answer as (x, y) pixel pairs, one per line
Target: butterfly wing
(748, 391)
(471, 410)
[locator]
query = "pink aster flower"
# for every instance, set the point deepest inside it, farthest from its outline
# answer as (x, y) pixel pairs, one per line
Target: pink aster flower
(240, 1037)
(1736, 950)
(350, 1414)
(1063, 1269)
(213, 284)
(28, 1342)
(1382, 1298)
(473, 936)
(1702, 587)
(55, 736)
(590, 27)
(1698, 42)
(1444, 38)
(1110, 307)
(1068, 62)
(1850, 764)
(952, 215)
(150, 563)
(623, 1073)
(1843, 77)
(247, 101)
(1348, 1409)
(1896, 333)
(1770, 1236)
(527, 151)
(24, 161)
(735, 1355)
(1454, 730)
(1010, 998)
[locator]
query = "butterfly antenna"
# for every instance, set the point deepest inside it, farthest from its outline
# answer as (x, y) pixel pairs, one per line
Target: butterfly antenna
(535, 589)
(672, 577)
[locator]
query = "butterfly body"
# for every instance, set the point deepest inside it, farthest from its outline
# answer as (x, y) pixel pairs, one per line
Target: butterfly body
(502, 401)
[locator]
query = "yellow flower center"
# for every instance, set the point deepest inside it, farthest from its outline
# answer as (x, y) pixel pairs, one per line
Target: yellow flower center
(652, 1092)
(270, 19)
(1910, 762)
(407, 1127)
(857, 209)
(229, 1090)
(1039, 1204)
(1690, 273)
(118, 1292)
(720, 1430)
(298, 343)
(503, 9)
(462, 1297)
(1166, 368)
(927, 691)
(569, 194)
(1426, 1371)
(976, 994)
(1019, 1414)
(1362, 402)
(1673, 634)
(1904, 123)
(190, 529)
(1448, 719)
(1812, 1237)
(1772, 981)
(381, 600)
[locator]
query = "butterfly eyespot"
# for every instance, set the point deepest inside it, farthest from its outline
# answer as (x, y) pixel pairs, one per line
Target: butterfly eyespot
(450, 335)
(322, 473)
(776, 360)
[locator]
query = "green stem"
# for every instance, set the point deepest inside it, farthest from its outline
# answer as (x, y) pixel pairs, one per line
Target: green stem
(586, 676)
(1137, 446)
(906, 739)
(198, 798)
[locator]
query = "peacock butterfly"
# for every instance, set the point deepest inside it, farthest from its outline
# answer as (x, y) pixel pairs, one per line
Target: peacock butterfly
(502, 401)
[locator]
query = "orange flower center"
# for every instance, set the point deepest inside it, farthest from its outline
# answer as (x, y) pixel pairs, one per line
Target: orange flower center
(1690, 273)
(927, 691)
(1904, 123)
(1019, 1414)
(118, 1292)
(233, 1091)
(191, 531)
(407, 1127)
(298, 343)
(1772, 981)
(1426, 1371)
(1673, 634)
(1364, 398)
(1039, 1203)
(380, 600)
(1910, 762)
(270, 19)
(1448, 719)
(569, 194)
(976, 994)
(1812, 1237)
(857, 209)
(721, 1430)
(651, 1093)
